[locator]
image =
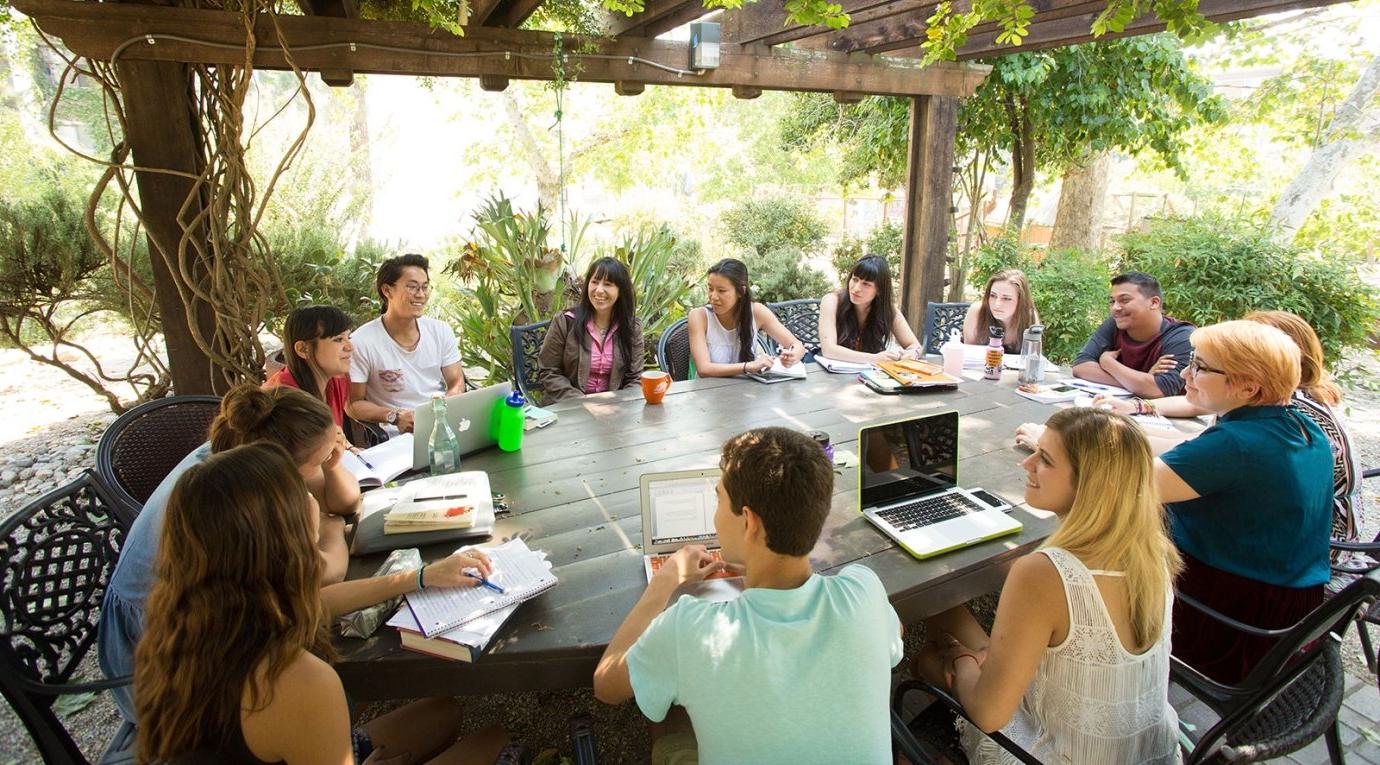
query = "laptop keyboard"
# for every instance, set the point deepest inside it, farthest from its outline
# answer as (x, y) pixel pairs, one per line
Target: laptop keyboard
(928, 511)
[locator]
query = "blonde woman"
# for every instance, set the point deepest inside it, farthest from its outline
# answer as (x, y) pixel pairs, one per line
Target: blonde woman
(1249, 499)
(1006, 303)
(1077, 666)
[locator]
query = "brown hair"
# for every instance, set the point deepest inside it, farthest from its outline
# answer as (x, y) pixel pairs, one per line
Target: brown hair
(236, 599)
(1314, 379)
(1253, 353)
(1116, 518)
(785, 478)
(1025, 306)
(289, 417)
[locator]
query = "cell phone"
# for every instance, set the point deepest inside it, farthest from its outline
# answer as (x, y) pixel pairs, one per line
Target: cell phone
(991, 499)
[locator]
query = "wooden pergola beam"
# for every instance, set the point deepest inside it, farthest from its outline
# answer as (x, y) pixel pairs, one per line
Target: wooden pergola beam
(481, 10)
(511, 13)
(620, 24)
(341, 9)
(863, 19)
(683, 15)
(390, 47)
(754, 22)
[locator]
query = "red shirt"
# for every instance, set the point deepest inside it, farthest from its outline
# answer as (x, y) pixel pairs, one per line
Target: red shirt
(337, 392)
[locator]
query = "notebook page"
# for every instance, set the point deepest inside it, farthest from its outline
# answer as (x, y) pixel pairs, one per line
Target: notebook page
(520, 572)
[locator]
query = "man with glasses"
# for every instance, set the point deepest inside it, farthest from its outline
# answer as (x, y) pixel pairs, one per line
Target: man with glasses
(402, 358)
(1137, 348)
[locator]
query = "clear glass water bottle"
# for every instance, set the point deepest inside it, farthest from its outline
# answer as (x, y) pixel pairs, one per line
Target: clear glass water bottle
(445, 447)
(1033, 355)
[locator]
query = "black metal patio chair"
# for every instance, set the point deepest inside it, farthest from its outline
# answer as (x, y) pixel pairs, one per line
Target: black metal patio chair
(673, 350)
(1371, 616)
(801, 317)
(527, 340)
(58, 553)
(941, 319)
(140, 448)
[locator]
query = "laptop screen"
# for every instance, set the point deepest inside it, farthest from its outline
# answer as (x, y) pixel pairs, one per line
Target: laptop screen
(681, 510)
(908, 458)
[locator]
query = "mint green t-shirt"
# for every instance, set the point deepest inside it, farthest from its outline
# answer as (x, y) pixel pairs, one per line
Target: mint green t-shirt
(799, 676)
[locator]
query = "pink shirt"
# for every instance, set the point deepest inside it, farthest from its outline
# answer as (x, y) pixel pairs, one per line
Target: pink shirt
(600, 357)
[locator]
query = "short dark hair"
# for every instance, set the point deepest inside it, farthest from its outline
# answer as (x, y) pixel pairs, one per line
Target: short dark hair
(391, 270)
(783, 475)
(1148, 285)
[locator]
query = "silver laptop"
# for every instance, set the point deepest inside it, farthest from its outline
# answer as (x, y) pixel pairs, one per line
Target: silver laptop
(677, 510)
(908, 485)
(470, 415)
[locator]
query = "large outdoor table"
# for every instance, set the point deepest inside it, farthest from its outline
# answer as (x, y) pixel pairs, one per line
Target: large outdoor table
(574, 492)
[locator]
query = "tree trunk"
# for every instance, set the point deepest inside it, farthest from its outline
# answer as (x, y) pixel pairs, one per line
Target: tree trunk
(548, 183)
(1352, 132)
(1082, 196)
(1022, 163)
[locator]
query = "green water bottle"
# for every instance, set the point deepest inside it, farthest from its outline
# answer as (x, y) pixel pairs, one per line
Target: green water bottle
(510, 422)
(693, 374)
(445, 447)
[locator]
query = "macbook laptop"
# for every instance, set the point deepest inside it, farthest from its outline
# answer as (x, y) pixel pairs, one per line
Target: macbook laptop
(908, 484)
(677, 510)
(470, 415)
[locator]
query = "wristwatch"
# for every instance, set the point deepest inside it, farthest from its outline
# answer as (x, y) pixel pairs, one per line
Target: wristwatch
(392, 417)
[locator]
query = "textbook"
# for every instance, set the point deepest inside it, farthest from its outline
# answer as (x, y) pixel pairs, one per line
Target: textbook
(380, 464)
(460, 644)
(780, 373)
(440, 503)
(1049, 393)
(917, 374)
(519, 575)
(371, 534)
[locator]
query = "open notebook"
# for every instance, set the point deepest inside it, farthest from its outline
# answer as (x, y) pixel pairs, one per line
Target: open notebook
(521, 573)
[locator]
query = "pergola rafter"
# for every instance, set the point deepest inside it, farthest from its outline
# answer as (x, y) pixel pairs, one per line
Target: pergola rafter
(761, 50)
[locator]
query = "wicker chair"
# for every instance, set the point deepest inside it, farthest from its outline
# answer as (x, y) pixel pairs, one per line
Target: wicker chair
(673, 350)
(58, 554)
(1293, 694)
(527, 340)
(1288, 701)
(140, 448)
(801, 317)
(941, 319)
(1355, 567)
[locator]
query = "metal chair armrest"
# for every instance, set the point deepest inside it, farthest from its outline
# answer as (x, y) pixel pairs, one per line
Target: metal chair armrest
(67, 689)
(1365, 547)
(1230, 622)
(1010, 746)
(901, 738)
(1372, 473)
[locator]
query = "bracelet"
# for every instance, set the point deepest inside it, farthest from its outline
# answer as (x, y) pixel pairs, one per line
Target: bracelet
(420, 583)
(953, 663)
(1140, 405)
(744, 367)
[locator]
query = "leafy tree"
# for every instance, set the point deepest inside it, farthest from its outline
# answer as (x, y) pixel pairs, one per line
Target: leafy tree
(1046, 110)
(766, 225)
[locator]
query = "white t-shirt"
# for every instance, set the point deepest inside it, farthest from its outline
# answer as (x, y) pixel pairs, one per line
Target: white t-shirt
(397, 378)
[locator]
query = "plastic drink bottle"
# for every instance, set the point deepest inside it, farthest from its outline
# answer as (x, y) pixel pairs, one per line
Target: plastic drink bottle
(445, 447)
(510, 418)
(1032, 355)
(991, 369)
(952, 351)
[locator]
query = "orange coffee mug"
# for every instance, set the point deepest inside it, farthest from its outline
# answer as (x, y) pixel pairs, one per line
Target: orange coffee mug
(654, 386)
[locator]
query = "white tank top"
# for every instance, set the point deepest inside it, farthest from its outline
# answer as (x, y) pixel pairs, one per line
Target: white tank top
(1091, 700)
(724, 344)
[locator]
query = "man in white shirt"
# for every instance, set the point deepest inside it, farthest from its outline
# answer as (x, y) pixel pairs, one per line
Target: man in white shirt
(402, 358)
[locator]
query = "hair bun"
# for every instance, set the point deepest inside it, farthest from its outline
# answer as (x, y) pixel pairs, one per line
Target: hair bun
(245, 407)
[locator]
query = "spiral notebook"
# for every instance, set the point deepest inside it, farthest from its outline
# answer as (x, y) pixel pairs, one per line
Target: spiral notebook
(521, 573)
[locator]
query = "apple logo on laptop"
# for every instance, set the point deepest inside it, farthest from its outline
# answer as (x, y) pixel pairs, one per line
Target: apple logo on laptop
(462, 426)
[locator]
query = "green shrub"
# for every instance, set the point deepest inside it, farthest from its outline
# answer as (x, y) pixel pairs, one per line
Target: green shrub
(1069, 288)
(767, 225)
(665, 273)
(783, 274)
(884, 240)
(316, 269)
(1213, 269)
(998, 255)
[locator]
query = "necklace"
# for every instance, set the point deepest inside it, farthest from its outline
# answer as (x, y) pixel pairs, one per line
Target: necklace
(406, 348)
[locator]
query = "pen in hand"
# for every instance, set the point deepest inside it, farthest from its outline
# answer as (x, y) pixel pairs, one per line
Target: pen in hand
(473, 573)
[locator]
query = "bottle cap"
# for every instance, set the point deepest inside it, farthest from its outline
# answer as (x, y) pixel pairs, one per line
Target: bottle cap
(996, 331)
(515, 398)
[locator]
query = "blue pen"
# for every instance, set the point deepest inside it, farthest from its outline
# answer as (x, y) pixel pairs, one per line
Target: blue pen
(491, 585)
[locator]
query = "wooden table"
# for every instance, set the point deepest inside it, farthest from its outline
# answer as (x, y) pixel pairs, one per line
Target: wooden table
(574, 493)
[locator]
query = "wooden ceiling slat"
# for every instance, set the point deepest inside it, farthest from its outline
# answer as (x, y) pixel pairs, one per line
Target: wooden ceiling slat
(756, 21)
(684, 15)
(859, 19)
(392, 47)
(511, 13)
(619, 24)
(481, 10)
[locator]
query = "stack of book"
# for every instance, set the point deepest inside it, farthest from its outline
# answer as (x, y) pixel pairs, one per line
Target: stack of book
(458, 623)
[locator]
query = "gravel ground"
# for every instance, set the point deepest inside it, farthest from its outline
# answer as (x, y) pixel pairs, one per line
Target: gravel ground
(51, 435)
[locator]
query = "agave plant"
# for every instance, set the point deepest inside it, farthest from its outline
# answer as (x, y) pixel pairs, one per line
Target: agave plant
(661, 277)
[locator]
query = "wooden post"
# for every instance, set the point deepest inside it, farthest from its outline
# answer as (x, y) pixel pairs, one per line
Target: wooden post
(161, 135)
(929, 194)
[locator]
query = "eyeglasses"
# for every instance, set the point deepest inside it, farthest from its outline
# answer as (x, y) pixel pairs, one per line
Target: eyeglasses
(416, 289)
(1197, 367)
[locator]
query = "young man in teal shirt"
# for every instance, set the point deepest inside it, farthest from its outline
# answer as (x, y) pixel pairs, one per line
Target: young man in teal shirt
(797, 669)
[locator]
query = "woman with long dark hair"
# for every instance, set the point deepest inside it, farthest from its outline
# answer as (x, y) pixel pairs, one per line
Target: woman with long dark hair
(232, 667)
(723, 334)
(858, 322)
(316, 354)
(598, 346)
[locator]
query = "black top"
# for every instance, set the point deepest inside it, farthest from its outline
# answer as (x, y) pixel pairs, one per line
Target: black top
(235, 752)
